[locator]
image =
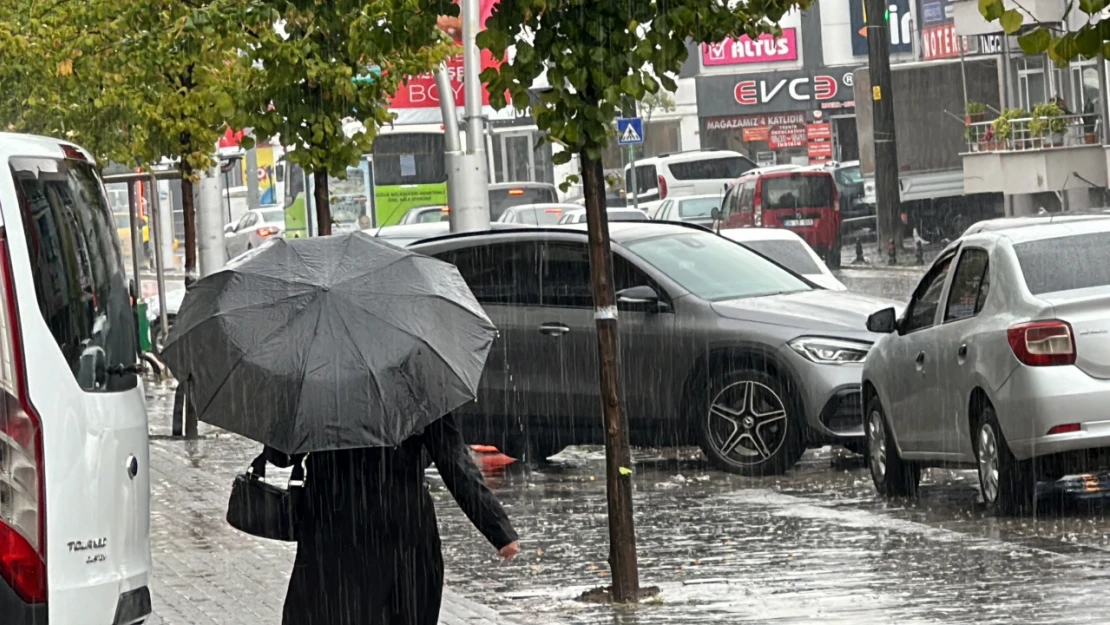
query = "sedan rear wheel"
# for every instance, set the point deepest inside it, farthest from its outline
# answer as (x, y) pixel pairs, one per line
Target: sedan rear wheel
(892, 476)
(751, 425)
(1008, 484)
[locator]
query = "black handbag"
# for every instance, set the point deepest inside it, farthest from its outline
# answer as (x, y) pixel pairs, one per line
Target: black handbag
(262, 509)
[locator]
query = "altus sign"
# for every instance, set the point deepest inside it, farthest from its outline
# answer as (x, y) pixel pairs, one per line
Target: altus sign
(803, 89)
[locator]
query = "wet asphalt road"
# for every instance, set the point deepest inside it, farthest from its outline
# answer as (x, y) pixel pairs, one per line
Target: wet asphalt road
(816, 545)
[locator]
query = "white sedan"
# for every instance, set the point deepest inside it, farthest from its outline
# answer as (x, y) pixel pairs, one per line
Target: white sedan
(255, 228)
(789, 250)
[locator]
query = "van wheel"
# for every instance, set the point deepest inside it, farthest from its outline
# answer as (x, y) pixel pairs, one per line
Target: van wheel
(893, 477)
(752, 424)
(1008, 484)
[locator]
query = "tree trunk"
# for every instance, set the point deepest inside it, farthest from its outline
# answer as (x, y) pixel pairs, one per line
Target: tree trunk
(189, 215)
(322, 201)
(618, 456)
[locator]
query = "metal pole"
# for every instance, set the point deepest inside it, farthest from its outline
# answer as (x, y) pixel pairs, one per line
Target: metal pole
(1007, 79)
(136, 242)
(210, 249)
(1102, 104)
(165, 220)
(473, 210)
(963, 69)
(159, 257)
(632, 162)
(454, 156)
(882, 106)
(253, 195)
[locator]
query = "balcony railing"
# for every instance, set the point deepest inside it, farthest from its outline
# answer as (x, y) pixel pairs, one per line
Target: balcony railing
(1047, 133)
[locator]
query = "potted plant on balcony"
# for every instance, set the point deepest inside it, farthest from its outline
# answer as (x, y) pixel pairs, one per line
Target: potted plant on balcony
(974, 112)
(1048, 125)
(1003, 127)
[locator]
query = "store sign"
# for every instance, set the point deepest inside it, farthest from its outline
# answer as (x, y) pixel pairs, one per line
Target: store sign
(900, 26)
(765, 49)
(786, 136)
(941, 42)
(804, 89)
(754, 122)
(818, 131)
(820, 151)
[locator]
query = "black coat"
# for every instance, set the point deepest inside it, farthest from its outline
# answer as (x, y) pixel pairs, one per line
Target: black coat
(369, 550)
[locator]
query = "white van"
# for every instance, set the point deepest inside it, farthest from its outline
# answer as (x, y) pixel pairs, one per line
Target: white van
(74, 479)
(701, 172)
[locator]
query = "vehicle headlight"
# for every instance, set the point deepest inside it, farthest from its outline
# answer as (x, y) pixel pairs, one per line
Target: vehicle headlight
(831, 351)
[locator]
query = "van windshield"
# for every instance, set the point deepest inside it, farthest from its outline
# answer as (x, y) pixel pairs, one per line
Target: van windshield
(797, 191)
(78, 270)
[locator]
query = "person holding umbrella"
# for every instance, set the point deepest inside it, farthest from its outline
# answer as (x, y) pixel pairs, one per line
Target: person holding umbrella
(348, 355)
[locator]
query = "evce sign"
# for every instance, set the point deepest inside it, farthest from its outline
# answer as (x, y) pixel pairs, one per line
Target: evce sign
(763, 91)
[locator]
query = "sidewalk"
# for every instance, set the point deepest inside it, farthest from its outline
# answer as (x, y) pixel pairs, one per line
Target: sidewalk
(205, 572)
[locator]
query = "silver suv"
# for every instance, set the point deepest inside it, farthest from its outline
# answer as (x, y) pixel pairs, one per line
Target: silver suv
(719, 346)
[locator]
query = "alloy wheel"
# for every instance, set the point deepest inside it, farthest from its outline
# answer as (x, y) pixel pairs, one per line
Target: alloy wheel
(876, 444)
(988, 462)
(747, 422)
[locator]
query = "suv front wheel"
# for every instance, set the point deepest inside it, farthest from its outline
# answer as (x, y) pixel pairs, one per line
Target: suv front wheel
(752, 425)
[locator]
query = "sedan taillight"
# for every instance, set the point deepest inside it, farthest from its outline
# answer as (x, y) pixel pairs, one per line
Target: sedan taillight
(1043, 343)
(268, 231)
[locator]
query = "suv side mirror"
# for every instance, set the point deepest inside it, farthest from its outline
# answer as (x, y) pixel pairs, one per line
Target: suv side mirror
(640, 297)
(882, 322)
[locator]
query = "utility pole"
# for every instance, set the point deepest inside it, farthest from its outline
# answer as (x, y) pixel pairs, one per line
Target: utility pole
(467, 171)
(887, 195)
(210, 222)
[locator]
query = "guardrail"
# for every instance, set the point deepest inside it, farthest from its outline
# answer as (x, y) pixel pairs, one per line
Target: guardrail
(1032, 133)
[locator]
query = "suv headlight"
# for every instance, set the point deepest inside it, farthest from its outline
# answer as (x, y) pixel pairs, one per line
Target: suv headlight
(831, 351)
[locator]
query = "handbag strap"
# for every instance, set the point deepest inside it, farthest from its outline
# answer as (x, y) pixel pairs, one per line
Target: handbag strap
(257, 469)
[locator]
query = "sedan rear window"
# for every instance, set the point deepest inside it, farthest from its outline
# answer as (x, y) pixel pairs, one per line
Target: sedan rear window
(714, 268)
(502, 199)
(535, 216)
(790, 254)
(797, 191)
(1065, 263)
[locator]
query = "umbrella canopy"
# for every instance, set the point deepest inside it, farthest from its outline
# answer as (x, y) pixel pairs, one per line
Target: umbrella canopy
(329, 343)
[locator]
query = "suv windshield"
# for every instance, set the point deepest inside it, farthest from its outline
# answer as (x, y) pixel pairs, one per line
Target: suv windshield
(714, 268)
(1065, 263)
(75, 260)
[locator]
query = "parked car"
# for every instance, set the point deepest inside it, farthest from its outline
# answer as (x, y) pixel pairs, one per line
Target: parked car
(74, 454)
(536, 214)
(504, 195)
(696, 209)
(255, 228)
(614, 198)
(1000, 362)
(802, 200)
(789, 250)
(578, 215)
(719, 346)
(424, 214)
(855, 213)
(1008, 223)
(683, 174)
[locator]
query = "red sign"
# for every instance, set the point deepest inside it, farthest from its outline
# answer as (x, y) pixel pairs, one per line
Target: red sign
(941, 42)
(818, 131)
(759, 133)
(755, 121)
(421, 91)
(787, 136)
(763, 91)
(231, 139)
(820, 150)
(765, 49)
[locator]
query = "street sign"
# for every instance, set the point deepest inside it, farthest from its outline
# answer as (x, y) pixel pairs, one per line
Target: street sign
(630, 131)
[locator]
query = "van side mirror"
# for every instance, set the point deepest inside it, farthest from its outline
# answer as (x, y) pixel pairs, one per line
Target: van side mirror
(715, 214)
(883, 322)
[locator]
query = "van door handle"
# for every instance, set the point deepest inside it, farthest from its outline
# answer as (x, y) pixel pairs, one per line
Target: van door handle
(920, 361)
(554, 329)
(962, 352)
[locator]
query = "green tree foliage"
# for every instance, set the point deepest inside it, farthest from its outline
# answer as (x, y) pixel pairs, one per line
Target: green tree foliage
(335, 61)
(1090, 40)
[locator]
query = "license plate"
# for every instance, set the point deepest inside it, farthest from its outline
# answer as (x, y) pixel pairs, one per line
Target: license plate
(797, 223)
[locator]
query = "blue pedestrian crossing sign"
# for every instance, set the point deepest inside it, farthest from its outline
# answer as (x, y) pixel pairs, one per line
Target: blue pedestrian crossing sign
(630, 131)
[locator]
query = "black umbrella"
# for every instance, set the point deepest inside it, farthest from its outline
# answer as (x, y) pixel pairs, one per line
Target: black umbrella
(329, 343)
